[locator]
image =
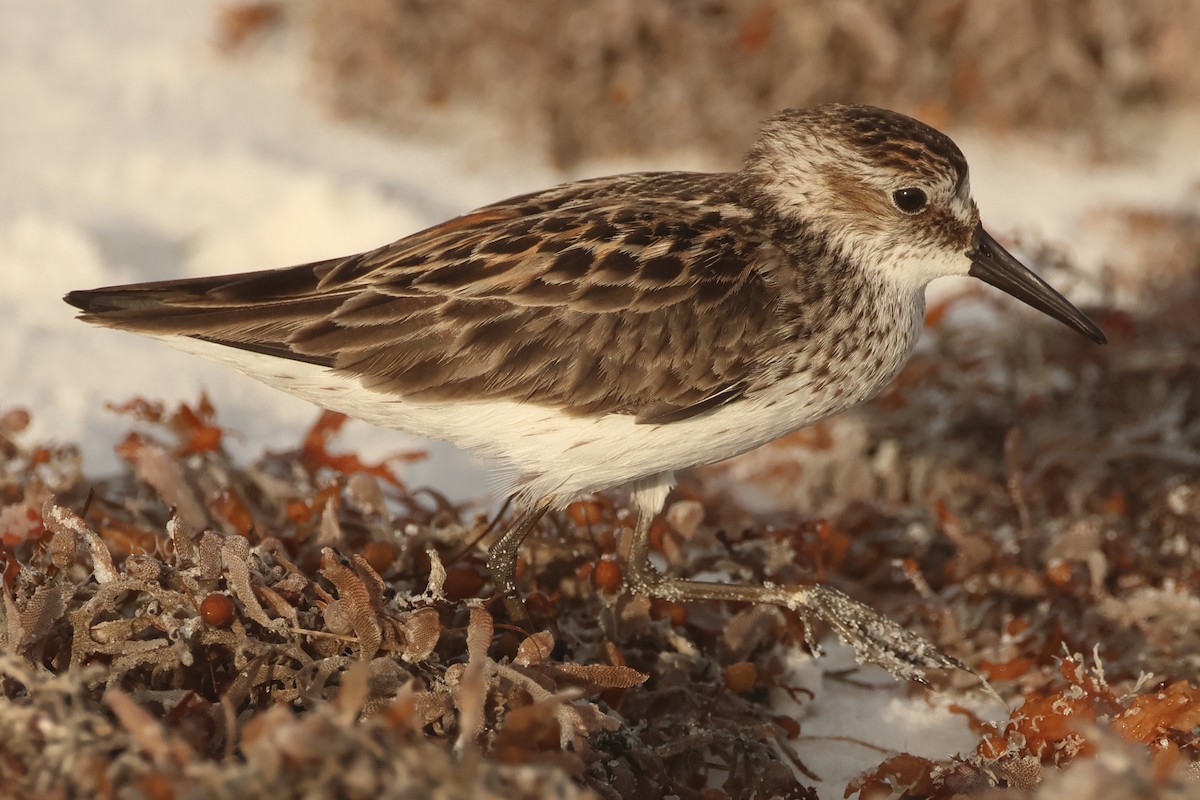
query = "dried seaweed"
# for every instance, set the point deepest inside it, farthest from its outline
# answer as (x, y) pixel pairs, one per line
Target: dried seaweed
(314, 627)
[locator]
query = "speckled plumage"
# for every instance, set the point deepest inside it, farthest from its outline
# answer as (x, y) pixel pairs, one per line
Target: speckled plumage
(593, 298)
(612, 331)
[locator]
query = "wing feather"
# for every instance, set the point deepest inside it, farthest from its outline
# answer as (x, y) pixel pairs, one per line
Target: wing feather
(650, 295)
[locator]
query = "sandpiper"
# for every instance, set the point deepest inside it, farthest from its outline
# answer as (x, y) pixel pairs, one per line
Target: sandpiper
(609, 332)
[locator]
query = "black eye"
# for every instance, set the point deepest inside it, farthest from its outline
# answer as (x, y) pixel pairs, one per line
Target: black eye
(910, 201)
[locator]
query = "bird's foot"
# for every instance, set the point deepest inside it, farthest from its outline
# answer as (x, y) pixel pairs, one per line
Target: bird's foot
(875, 638)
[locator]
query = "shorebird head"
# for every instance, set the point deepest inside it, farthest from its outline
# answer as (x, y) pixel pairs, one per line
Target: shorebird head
(889, 194)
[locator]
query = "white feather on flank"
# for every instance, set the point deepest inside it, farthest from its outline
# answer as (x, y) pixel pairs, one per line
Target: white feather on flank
(551, 454)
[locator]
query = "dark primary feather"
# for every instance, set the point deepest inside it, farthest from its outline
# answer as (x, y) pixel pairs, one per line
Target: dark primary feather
(649, 294)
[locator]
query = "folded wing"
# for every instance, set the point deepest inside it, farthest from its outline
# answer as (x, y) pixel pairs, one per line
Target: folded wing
(658, 307)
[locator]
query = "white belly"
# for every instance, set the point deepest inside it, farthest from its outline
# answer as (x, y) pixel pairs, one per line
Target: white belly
(544, 451)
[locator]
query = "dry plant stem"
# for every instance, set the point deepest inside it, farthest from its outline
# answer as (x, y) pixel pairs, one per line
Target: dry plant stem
(565, 713)
(469, 546)
(1012, 459)
(502, 560)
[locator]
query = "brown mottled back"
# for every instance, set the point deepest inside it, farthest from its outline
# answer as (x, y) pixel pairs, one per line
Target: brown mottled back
(659, 308)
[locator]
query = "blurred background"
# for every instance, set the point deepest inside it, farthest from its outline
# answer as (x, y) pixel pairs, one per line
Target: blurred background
(600, 78)
(148, 140)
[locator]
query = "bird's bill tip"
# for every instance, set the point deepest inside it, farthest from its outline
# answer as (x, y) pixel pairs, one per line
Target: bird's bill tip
(992, 264)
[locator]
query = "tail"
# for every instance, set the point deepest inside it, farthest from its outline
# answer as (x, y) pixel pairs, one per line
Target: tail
(256, 311)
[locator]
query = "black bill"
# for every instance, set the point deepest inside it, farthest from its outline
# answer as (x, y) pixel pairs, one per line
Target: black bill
(993, 264)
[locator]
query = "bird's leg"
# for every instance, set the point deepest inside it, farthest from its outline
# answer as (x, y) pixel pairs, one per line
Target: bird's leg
(874, 637)
(502, 559)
